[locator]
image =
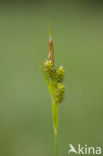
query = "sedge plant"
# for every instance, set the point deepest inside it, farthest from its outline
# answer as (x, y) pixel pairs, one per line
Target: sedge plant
(54, 79)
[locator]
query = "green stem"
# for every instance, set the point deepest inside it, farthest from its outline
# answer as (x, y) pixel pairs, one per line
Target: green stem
(55, 123)
(56, 141)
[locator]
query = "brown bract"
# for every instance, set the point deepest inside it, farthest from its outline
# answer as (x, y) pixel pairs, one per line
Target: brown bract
(51, 54)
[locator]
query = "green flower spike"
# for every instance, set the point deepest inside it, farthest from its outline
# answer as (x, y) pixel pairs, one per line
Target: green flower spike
(54, 79)
(59, 93)
(60, 74)
(49, 69)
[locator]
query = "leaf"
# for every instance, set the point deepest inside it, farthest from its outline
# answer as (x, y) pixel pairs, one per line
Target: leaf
(45, 76)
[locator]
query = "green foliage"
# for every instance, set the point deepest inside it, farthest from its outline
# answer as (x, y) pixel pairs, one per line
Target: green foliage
(54, 79)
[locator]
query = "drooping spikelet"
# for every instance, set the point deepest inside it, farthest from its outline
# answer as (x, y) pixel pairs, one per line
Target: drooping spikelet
(59, 96)
(49, 69)
(60, 74)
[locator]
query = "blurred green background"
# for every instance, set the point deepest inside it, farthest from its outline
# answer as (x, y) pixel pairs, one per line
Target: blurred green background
(25, 104)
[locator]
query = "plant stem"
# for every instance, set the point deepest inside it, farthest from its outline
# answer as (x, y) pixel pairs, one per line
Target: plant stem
(56, 141)
(55, 123)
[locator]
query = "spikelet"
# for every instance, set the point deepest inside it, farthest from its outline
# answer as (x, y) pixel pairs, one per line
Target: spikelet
(59, 96)
(49, 69)
(60, 74)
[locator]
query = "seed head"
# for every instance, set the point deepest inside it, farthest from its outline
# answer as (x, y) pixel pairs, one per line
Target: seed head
(59, 93)
(49, 69)
(60, 74)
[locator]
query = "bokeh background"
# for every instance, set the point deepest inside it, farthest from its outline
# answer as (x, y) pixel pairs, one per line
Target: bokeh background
(25, 104)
